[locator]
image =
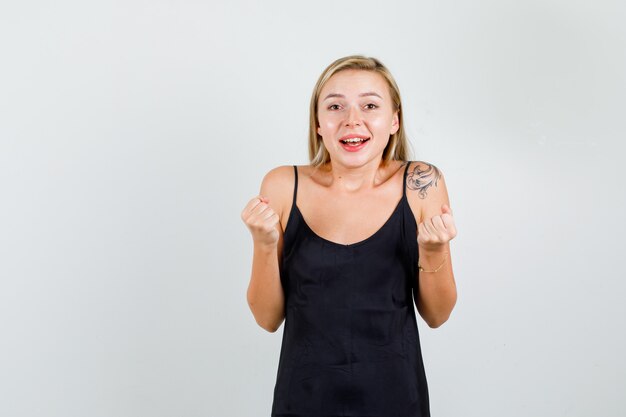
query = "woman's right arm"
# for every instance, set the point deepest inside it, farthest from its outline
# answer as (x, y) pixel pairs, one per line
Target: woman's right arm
(261, 215)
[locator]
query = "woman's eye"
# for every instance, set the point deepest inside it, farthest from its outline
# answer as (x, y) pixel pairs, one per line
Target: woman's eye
(369, 106)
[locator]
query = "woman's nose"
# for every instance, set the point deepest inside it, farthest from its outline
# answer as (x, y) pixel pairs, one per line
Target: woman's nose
(354, 118)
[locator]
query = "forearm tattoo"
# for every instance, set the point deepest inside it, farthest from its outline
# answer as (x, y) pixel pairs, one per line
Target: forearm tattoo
(421, 179)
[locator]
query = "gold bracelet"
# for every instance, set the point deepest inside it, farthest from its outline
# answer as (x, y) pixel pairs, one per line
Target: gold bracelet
(419, 267)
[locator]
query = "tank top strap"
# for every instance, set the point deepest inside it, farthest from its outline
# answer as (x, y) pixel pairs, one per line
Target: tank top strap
(409, 228)
(404, 180)
(295, 186)
(293, 224)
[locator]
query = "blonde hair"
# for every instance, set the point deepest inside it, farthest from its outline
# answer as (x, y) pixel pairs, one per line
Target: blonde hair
(398, 146)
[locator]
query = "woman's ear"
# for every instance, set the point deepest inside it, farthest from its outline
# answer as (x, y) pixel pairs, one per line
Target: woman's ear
(395, 124)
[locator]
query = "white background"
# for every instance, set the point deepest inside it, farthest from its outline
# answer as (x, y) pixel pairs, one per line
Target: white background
(132, 134)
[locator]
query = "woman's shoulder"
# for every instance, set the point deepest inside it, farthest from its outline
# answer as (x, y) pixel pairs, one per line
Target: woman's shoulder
(426, 189)
(277, 185)
(424, 169)
(277, 179)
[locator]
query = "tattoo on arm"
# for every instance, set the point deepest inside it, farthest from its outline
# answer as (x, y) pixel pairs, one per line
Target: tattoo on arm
(421, 179)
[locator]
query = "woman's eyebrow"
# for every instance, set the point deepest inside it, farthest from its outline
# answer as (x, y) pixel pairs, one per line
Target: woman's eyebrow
(369, 93)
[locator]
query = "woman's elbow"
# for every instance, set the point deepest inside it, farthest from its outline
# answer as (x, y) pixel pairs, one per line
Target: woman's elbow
(266, 321)
(271, 327)
(267, 318)
(435, 323)
(438, 320)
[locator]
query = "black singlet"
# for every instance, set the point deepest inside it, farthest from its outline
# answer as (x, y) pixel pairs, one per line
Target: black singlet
(350, 342)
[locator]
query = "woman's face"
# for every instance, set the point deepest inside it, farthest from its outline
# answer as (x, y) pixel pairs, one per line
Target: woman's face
(356, 103)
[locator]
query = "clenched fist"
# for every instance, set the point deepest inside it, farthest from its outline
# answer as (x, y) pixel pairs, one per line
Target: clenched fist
(261, 220)
(435, 232)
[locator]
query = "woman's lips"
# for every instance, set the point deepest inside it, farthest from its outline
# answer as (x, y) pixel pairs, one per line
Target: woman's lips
(354, 147)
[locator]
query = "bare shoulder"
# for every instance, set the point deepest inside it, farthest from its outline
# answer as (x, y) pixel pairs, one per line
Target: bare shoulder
(426, 189)
(279, 175)
(277, 185)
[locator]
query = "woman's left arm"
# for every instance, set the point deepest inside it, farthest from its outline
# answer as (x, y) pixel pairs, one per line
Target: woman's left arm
(437, 294)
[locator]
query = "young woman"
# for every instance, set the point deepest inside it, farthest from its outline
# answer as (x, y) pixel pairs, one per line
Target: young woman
(343, 248)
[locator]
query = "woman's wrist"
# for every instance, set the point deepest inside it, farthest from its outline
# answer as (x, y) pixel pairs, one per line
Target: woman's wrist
(432, 250)
(431, 260)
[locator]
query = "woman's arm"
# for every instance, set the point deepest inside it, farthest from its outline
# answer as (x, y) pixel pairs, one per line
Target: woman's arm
(437, 290)
(265, 294)
(436, 296)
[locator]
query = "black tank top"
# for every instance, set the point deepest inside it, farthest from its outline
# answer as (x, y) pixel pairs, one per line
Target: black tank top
(350, 342)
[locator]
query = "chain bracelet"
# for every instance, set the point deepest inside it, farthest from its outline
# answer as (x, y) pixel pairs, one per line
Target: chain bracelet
(419, 267)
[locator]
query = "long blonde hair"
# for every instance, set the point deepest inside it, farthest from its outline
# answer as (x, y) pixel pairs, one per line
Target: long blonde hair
(398, 146)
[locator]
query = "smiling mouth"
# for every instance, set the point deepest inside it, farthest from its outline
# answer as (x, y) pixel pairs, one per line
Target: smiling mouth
(355, 141)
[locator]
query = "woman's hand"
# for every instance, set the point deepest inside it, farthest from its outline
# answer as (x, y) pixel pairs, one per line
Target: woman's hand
(433, 234)
(261, 220)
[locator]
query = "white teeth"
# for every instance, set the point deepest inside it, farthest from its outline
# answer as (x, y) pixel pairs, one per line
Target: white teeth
(353, 140)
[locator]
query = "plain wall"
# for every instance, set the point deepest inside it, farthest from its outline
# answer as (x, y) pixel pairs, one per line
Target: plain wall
(132, 134)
